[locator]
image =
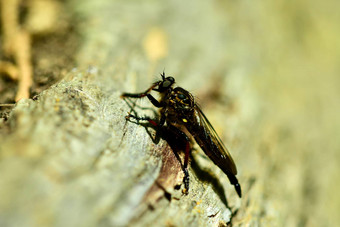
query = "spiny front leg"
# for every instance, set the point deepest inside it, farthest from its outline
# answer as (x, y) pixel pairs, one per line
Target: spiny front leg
(139, 95)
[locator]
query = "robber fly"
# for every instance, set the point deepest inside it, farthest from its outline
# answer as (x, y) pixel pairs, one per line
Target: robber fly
(179, 110)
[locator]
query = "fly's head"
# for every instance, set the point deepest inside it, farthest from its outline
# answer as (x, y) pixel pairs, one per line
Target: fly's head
(165, 84)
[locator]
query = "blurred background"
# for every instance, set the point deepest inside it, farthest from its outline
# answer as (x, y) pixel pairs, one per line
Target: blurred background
(266, 74)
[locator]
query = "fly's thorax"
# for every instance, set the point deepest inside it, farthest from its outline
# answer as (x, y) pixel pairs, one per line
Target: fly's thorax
(179, 106)
(181, 100)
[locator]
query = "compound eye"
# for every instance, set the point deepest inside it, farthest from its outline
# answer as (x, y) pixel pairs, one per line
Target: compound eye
(171, 79)
(166, 84)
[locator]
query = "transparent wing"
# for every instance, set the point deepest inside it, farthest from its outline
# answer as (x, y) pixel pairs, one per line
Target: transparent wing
(207, 138)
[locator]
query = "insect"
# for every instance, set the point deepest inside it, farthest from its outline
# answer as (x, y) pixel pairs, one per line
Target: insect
(179, 113)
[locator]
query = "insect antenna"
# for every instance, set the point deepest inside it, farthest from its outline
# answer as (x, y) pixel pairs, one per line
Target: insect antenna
(163, 74)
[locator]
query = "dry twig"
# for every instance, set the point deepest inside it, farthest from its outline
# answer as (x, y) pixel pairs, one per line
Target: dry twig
(16, 43)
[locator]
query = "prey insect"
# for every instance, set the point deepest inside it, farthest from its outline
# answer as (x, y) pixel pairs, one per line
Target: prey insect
(179, 113)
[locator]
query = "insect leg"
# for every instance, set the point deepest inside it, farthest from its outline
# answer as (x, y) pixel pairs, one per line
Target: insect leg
(154, 101)
(186, 161)
(176, 140)
(139, 95)
(151, 121)
(154, 123)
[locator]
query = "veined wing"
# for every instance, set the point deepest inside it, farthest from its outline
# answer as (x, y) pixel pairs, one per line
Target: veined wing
(207, 138)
